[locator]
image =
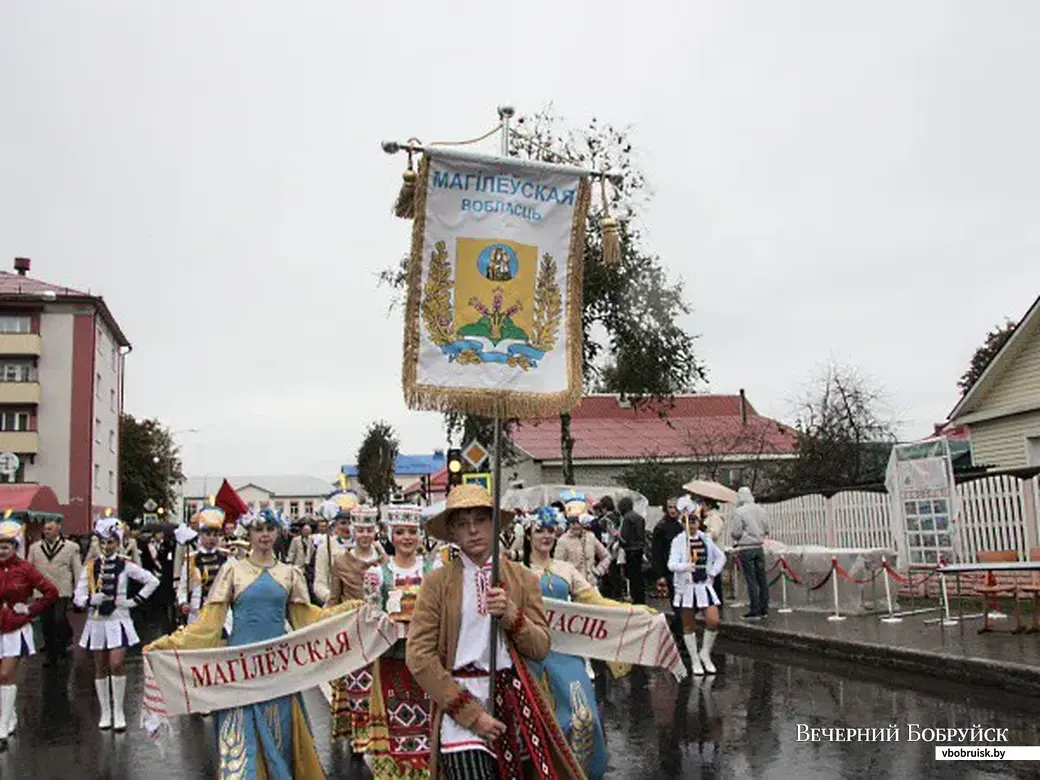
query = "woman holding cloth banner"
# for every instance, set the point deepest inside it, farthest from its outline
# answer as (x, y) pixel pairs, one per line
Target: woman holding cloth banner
(564, 676)
(270, 739)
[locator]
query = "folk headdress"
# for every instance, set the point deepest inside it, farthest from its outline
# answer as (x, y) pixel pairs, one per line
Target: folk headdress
(266, 517)
(342, 503)
(11, 530)
(364, 516)
(211, 518)
(404, 515)
(545, 517)
(108, 527)
(575, 504)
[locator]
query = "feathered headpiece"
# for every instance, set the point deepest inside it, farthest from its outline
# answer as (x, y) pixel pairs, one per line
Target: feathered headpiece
(265, 517)
(575, 504)
(210, 518)
(404, 514)
(339, 504)
(687, 506)
(11, 530)
(108, 527)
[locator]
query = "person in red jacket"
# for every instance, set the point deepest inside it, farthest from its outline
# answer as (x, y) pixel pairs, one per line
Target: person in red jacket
(18, 580)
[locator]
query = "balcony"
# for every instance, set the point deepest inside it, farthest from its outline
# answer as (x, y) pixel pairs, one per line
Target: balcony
(19, 392)
(20, 344)
(19, 441)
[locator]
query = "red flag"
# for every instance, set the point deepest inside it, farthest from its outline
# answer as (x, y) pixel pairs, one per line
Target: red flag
(228, 500)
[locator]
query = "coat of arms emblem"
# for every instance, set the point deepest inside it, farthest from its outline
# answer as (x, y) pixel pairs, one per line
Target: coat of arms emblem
(499, 304)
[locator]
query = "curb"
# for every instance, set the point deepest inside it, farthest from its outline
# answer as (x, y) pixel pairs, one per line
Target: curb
(1001, 675)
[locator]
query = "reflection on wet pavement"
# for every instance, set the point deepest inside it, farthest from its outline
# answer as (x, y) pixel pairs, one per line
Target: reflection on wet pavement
(743, 723)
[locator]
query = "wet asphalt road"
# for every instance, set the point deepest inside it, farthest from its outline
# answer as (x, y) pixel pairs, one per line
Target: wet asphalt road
(742, 724)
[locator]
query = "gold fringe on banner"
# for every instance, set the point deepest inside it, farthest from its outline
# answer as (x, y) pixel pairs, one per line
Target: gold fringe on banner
(505, 404)
(611, 238)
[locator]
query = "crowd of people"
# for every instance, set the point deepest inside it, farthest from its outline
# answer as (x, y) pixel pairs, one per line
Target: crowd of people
(421, 708)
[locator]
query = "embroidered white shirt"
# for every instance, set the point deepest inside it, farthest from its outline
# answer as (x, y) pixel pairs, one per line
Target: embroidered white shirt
(474, 648)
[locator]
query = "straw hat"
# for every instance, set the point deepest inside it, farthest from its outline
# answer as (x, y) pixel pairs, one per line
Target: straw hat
(466, 496)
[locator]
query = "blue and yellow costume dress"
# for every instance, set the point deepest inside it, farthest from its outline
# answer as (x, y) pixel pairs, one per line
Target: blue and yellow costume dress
(268, 740)
(564, 677)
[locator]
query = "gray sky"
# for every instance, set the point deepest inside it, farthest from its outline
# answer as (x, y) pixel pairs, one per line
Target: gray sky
(858, 183)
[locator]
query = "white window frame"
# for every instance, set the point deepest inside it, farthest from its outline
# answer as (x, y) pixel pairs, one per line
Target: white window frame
(97, 386)
(111, 482)
(112, 441)
(15, 323)
(97, 476)
(97, 431)
(1031, 442)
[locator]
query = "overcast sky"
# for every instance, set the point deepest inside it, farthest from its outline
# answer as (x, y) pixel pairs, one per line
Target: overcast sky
(857, 183)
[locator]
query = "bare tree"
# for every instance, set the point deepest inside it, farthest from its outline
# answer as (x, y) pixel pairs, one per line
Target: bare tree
(844, 435)
(717, 450)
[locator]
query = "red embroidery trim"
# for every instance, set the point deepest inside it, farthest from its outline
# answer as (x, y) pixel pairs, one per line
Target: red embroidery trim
(455, 705)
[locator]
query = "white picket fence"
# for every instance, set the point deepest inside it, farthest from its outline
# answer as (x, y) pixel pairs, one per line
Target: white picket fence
(999, 512)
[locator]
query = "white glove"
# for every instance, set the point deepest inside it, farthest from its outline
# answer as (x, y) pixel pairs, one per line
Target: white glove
(97, 599)
(21, 609)
(689, 567)
(122, 602)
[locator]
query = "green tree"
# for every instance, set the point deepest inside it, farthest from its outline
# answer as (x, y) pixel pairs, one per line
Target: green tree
(654, 478)
(995, 340)
(149, 466)
(632, 312)
(376, 462)
(844, 437)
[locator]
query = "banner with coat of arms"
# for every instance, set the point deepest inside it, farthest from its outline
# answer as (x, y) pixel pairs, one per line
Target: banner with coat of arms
(493, 318)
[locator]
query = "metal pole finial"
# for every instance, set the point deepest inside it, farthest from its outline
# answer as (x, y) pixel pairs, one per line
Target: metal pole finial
(506, 112)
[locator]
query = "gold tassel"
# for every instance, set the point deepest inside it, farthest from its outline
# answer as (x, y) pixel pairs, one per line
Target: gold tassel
(611, 237)
(404, 207)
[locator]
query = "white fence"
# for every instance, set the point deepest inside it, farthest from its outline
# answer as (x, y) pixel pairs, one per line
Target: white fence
(999, 512)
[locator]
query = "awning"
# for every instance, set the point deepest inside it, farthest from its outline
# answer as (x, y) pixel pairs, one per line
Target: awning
(29, 502)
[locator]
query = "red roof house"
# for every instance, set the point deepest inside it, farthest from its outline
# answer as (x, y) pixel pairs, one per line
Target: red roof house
(719, 434)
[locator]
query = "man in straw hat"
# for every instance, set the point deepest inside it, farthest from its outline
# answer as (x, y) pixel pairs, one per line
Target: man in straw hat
(448, 652)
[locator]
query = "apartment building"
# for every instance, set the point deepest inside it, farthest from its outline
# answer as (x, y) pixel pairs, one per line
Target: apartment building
(62, 357)
(294, 495)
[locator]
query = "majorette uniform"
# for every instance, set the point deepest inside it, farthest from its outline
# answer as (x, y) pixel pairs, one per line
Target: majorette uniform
(398, 738)
(103, 587)
(202, 566)
(18, 580)
(340, 505)
(696, 560)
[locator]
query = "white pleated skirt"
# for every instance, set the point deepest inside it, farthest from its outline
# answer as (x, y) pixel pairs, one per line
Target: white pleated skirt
(15, 644)
(109, 634)
(697, 595)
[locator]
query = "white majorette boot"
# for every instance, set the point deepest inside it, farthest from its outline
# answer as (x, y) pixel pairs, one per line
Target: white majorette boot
(101, 686)
(695, 660)
(7, 704)
(706, 644)
(118, 696)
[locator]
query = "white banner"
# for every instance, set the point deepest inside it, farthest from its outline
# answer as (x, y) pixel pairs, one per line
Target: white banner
(218, 678)
(180, 682)
(631, 635)
(493, 319)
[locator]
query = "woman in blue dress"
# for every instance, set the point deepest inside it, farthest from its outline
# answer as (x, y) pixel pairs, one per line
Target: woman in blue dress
(270, 740)
(564, 676)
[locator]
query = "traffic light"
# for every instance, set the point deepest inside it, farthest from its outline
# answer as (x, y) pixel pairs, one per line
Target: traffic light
(454, 468)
